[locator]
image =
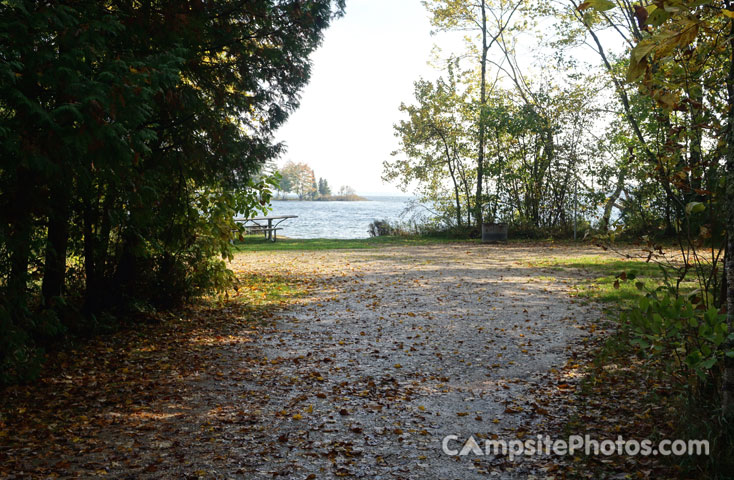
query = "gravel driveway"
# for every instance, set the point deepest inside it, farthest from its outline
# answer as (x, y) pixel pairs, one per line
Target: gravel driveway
(389, 351)
(396, 348)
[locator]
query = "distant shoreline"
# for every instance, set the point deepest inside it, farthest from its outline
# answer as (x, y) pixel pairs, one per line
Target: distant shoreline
(325, 198)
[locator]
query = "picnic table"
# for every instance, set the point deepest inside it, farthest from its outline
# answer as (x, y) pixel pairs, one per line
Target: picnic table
(257, 224)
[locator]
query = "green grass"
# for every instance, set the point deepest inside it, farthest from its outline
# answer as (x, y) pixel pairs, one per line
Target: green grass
(603, 272)
(292, 244)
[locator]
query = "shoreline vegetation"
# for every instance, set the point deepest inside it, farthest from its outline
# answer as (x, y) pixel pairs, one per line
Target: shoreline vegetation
(299, 179)
(326, 198)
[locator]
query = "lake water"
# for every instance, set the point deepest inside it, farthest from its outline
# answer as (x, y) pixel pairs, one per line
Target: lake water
(336, 219)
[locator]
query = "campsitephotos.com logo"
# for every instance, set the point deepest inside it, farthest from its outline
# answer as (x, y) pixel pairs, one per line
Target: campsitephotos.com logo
(573, 445)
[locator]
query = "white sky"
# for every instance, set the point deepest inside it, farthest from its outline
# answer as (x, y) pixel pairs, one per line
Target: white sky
(363, 71)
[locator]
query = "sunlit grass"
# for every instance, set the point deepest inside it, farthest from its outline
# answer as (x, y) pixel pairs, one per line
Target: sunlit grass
(258, 244)
(259, 289)
(602, 280)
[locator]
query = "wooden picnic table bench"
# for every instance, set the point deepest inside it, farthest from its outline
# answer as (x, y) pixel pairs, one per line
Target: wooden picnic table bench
(270, 230)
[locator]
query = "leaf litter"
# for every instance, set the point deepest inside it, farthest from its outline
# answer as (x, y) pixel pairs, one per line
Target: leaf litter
(357, 367)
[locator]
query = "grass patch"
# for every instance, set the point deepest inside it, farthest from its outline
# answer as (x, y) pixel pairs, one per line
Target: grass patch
(602, 272)
(317, 244)
(267, 290)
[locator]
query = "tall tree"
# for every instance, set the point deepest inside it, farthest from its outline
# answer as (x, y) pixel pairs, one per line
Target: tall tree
(434, 142)
(324, 188)
(474, 15)
(131, 133)
(299, 179)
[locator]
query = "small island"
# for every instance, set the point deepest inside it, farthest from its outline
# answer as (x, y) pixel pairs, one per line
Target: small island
(351, 197)
(298, 182)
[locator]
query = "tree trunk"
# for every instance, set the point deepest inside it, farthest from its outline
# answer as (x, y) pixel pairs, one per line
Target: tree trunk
(724, 287)
(728, 381)
(91, 294)
(669, 229)
(611, 201)
(727, 397)
(456, 195)
(18, 278)
(450, 164)
(54, 269)
(21, 226)
(467, 192)
(482, 123)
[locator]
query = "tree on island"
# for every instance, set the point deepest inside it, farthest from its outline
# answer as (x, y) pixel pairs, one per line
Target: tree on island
(314, 190)
(324, 188)
(298, 178)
